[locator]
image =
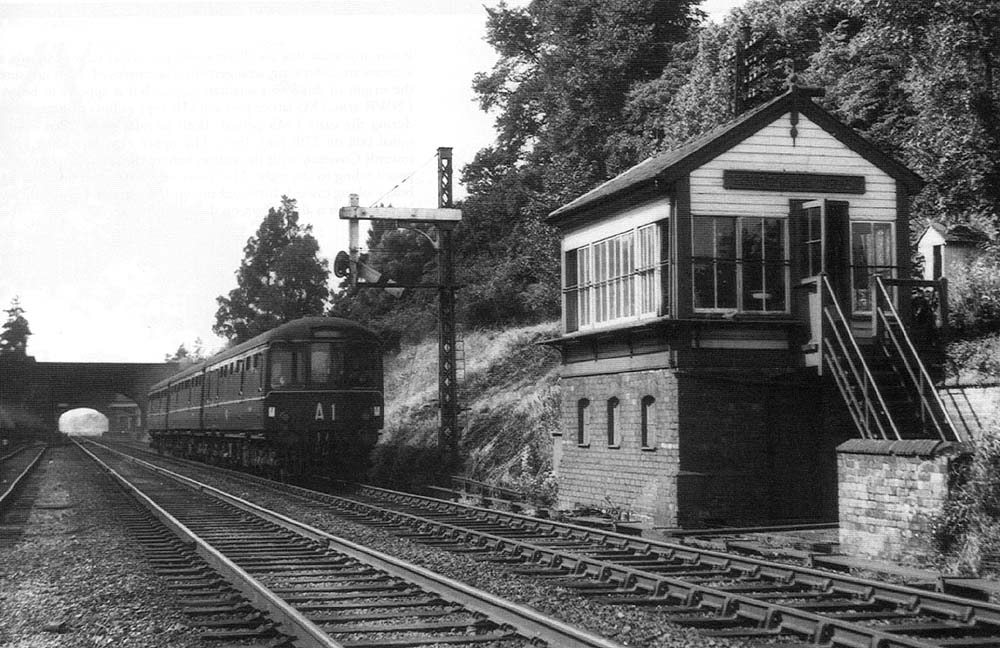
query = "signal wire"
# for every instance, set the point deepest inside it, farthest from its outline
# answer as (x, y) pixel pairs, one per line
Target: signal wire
(401, 182)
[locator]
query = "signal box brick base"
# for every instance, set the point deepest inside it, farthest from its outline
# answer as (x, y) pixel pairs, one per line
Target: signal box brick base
(668, 446)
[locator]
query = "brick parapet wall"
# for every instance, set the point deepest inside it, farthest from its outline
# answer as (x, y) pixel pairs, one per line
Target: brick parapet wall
(637, 480)
(890, 492)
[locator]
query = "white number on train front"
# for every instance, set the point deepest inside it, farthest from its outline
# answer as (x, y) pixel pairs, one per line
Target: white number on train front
(319, 412)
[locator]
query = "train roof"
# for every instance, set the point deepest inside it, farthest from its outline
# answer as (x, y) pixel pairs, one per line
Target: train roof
(300, 329)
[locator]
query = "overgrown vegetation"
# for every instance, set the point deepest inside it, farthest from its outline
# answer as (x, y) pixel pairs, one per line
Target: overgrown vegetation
(582, 90)
(512, 407)
(974, 321)
(967, 534)
(974, 297)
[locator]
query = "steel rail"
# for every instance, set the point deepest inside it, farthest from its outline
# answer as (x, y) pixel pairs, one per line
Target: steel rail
(293, 622)
(8, 495)
(986, 612)
(773, 617)
(524, 620)
(16, 451)
(768, 615)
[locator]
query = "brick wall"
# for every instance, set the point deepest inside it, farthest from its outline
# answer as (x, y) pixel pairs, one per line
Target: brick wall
(889, 493)
(639, 480)
(732, 446)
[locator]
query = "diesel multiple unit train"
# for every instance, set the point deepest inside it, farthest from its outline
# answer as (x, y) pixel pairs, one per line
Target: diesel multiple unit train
(303, 399)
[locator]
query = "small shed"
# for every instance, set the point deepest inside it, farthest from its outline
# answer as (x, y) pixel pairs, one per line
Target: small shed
(687, 391)
(947, 249)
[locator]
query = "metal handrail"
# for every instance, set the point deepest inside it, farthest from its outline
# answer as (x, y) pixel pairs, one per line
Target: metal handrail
(920, 380)
(863, 378)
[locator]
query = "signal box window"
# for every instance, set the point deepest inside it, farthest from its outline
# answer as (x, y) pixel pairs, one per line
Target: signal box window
(871, 254)
(739, 263)
(622, 277)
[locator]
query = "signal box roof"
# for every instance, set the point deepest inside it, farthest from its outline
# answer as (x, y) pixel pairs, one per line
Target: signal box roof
(667, 167)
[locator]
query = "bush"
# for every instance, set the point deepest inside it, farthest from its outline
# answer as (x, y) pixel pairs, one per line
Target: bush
(974, 297)
(975, 361)
(967, 533)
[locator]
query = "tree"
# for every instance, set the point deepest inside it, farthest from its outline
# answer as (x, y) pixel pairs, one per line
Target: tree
(185, 357)
(281, 278)
(919, 78)
(14, 338)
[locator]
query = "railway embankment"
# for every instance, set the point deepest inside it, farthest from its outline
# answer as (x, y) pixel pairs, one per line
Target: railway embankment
(509, 395)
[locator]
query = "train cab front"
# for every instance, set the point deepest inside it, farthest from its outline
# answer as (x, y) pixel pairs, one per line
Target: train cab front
(325, 398)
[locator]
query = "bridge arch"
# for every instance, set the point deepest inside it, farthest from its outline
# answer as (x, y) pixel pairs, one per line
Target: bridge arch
(49, 389)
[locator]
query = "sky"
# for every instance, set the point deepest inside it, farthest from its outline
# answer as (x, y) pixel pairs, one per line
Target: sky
(142, 143)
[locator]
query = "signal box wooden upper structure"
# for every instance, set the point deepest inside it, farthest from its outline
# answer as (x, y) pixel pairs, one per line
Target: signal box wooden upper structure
(727, 225)
(685, 323)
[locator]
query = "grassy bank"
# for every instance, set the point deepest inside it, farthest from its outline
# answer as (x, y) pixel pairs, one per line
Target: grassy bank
(509, 393)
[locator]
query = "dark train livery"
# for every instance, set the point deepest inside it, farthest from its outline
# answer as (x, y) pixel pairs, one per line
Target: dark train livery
(304, 398)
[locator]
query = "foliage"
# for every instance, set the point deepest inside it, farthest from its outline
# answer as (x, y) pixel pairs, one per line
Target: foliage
(185, 357)
(511, 406)
(967, 533)
(14, 338)
(975, 360)
(974, 297)
(281, 278)
(918, 78)
(582, 90)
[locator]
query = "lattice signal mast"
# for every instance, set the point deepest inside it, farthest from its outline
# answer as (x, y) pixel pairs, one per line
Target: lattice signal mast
(444, 219)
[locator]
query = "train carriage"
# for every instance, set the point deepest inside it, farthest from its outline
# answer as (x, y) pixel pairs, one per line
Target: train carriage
(302, 399)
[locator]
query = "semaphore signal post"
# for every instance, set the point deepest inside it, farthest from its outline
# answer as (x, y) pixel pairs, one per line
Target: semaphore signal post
(444, 219)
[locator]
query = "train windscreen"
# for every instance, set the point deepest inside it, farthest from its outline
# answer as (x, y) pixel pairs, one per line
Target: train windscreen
(340, 364)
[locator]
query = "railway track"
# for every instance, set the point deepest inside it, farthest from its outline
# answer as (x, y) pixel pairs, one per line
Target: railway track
(17, 490)
(320, 589)
(719, 593)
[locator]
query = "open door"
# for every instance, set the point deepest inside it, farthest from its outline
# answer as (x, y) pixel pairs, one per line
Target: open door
(821, 248)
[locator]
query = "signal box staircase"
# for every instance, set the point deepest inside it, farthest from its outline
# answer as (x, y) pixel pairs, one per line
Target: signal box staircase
(884, 379)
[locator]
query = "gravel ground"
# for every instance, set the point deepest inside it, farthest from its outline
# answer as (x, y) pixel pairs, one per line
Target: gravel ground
(75, 578)
(75, 568)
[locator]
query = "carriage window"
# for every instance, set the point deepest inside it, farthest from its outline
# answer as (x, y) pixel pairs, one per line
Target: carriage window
(319, 362)
(281, 367)
(300, 366)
